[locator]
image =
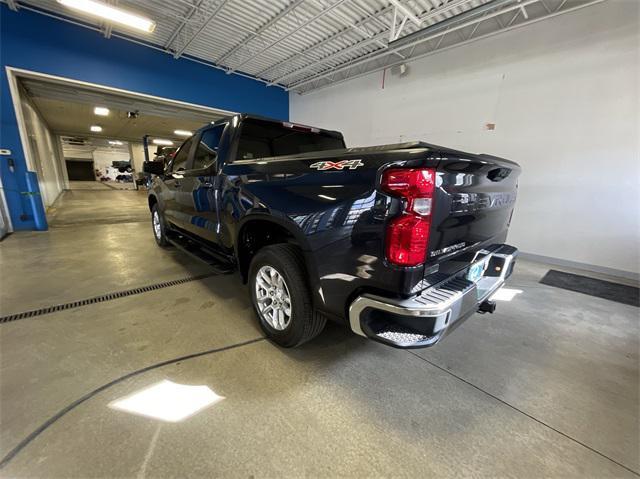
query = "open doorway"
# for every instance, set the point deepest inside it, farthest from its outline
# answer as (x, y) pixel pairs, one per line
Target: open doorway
(85, 141)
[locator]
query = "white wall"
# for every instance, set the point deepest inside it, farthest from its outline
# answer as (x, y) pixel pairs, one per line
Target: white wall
(44, 153)
(564, 96)
(77, 153)
(102, 157)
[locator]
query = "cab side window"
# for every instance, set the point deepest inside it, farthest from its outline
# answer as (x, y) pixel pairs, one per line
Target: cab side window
(180, 160)
(208, 147)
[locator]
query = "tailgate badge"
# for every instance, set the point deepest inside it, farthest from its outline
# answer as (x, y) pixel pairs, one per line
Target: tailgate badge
(337, 165)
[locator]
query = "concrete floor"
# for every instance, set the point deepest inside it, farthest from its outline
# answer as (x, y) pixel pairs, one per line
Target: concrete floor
(93, 202)
(547, 386)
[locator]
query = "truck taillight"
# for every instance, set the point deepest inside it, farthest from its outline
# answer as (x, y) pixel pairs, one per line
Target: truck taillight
(407, 236)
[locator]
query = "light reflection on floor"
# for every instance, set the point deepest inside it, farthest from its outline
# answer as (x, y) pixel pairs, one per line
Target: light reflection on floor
(167, 401)
(505, 294)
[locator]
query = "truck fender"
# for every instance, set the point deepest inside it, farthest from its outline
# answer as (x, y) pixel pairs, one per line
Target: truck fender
(298, 237)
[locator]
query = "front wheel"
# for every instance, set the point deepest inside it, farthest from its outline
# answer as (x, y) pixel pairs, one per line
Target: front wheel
(281, 296)
(159, 228)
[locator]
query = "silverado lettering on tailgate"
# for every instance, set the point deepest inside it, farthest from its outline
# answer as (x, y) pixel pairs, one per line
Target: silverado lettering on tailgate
(464, 202)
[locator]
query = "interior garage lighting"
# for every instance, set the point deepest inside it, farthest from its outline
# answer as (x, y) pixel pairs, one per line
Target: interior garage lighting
(111, 13)
(101, 111)
(182, 133)
(115, 142)
(159, 141)
(96, 128)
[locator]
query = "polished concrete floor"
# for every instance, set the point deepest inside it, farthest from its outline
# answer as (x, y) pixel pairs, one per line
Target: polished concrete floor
(545, 387)
(93, 202)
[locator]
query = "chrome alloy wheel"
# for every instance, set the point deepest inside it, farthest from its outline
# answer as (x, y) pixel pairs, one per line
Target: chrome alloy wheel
(272, 295)
(157, 228)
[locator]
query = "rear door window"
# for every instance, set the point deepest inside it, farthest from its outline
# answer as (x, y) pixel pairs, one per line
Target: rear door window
(180, 160)
(208, 145)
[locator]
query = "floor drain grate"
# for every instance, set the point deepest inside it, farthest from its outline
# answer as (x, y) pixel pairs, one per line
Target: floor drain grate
(101, 299)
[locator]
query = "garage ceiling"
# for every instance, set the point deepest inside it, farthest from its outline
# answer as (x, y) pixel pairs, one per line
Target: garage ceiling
(68, 110)
(303, 45)
(75, 119)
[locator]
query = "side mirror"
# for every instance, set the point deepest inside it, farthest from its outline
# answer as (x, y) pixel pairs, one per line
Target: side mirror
(153, 167)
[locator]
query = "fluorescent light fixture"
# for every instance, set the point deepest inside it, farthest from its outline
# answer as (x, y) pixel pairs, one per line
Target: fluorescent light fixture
(327, 197)
(333, 186)
(111, 13)
(115, 142)
(160, 141)
(167, 401)
(182, 132)
(96, 128)
(101, 111)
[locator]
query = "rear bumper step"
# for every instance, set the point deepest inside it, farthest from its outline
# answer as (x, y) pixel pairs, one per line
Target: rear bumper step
(424, 319)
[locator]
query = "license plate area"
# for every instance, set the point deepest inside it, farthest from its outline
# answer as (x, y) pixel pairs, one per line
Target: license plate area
(476, 271)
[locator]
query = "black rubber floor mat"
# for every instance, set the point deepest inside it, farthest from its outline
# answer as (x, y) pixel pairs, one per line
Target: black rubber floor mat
(620, 293)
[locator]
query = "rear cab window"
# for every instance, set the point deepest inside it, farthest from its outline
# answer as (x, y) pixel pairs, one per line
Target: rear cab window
(264, 139)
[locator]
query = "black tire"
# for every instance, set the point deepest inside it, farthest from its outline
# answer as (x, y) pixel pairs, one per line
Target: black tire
(304, 324)
(161, 238)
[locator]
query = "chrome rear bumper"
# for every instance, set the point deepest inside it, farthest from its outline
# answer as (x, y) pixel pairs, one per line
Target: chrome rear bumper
(422, 320)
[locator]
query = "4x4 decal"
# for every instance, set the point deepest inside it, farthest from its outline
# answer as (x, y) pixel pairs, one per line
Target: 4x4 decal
(337, 165)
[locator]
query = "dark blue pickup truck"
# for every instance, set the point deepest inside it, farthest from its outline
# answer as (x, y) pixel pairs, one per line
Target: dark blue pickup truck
(400, 242)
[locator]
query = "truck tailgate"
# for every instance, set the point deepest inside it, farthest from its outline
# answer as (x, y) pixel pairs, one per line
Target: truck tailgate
(475, 197)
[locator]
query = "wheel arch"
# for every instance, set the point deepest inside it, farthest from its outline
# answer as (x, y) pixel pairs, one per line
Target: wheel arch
(152, 200)
(258, 230)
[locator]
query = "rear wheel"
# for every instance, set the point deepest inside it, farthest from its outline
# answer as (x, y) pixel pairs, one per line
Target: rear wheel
(159, 228)
(281, 296)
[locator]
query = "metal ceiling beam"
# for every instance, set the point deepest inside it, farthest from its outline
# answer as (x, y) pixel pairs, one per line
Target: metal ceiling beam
(259, 31)
(427, 16)
(107, 27)
(322, 43)
(213, 14)
(373, 17)
(288, 35)
(345, 22)
(395, 30)
(339, 53)
(372, 58)
(442, 30)
(106, 30)
(183, 23)
(406, 12)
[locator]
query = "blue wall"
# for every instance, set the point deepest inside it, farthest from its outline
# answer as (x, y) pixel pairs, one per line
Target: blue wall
(35, 42)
